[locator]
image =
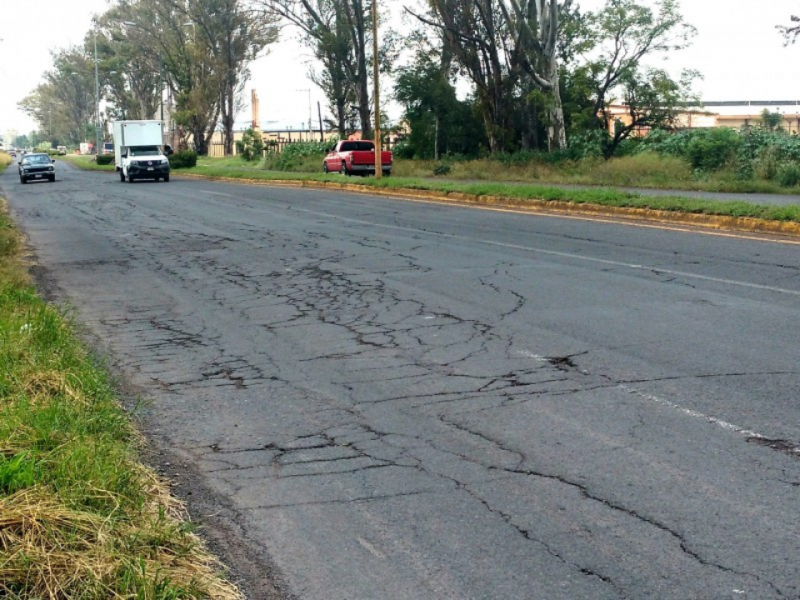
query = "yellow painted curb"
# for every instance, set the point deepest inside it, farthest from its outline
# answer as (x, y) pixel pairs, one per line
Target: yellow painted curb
(722, 223)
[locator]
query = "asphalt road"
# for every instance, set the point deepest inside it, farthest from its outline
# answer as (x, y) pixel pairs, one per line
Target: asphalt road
(375, 398)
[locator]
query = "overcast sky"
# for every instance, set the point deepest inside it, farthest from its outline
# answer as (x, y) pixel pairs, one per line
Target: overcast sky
(737, 49)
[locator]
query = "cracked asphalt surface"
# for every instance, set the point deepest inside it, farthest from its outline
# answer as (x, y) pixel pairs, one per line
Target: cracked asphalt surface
(363, 397)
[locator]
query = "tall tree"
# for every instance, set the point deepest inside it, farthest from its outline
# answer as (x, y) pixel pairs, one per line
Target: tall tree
(63, 105)
(505, 47)
(653, 99)
(234, 35)
(476, 37)
(162, 28)
(535, 27)
(133, 79)
(439, 122)
(621, 35)
(340, 34)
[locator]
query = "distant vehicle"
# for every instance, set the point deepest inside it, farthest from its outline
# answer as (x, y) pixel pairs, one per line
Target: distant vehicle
(36, 166)
(138, 151)
(356, 157)
(108, 148)
(62, 150)
(12, 153)
(86, 148)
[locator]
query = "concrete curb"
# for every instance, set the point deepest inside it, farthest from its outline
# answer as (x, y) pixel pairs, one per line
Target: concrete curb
(554, 207)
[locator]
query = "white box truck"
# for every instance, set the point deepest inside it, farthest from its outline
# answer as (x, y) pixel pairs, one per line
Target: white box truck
(139, 152)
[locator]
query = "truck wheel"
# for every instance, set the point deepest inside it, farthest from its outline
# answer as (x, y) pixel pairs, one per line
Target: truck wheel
(166, 178)
(130, 178)
(23, 180)
(345, 172)
(325, 167)
(52, 178)
(121, 175)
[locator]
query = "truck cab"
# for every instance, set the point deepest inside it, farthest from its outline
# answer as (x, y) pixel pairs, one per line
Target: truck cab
(139, 152)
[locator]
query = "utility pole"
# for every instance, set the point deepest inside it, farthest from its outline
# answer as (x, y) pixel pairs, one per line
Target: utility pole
(376, 93)
(96, 87)
(161, 93)
(310, 114)
(321, 131)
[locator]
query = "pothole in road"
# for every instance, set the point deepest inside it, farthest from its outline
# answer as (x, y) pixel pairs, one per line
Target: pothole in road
(562, 362)
(783, 446)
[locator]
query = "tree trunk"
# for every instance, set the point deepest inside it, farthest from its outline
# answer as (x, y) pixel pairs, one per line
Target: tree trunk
(556, 130)
(341, 117)
(364, 109)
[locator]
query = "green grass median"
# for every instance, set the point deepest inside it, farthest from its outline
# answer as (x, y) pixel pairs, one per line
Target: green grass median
(80, 515)
(86, 163)
(518, 191)
(234, 168)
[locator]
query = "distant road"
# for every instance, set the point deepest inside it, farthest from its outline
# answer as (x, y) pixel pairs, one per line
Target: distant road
(371, 398)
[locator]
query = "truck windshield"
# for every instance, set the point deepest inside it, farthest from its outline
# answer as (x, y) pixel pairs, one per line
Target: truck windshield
(144, 151)
(36, 159)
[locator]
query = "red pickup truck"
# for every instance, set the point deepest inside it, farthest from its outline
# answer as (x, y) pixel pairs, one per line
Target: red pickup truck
(356, 157)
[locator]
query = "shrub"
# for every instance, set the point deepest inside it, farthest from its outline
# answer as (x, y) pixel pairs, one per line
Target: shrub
(251, 146)
(185, 159)
(788, 174)
(767, 163)
(712, 149)
(105, 159)
(304, 149)
(299, 156)
(587, 145)
(442, 168)
(403, 150)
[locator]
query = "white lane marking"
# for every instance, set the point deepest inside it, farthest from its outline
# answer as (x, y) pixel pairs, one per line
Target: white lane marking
(372, 549)
(569, 255)
(695, 414)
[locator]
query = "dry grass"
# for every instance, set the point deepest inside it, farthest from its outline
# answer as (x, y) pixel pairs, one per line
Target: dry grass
(52, 551)
(644, 170)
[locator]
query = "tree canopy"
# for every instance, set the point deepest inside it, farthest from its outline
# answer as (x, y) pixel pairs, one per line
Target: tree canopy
(472, 76)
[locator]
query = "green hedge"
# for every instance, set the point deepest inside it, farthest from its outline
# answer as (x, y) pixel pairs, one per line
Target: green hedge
(105, 159)
(185, 159)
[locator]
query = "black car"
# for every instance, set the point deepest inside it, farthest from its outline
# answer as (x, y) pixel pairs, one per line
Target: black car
(36, 166)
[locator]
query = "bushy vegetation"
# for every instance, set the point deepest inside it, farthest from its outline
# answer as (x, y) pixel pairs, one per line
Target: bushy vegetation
(251, 146)
(185, 159)
(299, 156)
(105, 159)
(752, 153)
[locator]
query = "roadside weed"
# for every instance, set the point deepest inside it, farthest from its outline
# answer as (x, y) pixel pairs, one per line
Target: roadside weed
(80, 516)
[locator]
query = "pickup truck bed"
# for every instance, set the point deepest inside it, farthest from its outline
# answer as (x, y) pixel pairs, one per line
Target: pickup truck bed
(356, 157)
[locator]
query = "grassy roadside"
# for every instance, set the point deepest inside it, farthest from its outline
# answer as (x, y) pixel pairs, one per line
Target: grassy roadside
(642, 171)
(80, 516)
(85, 162)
